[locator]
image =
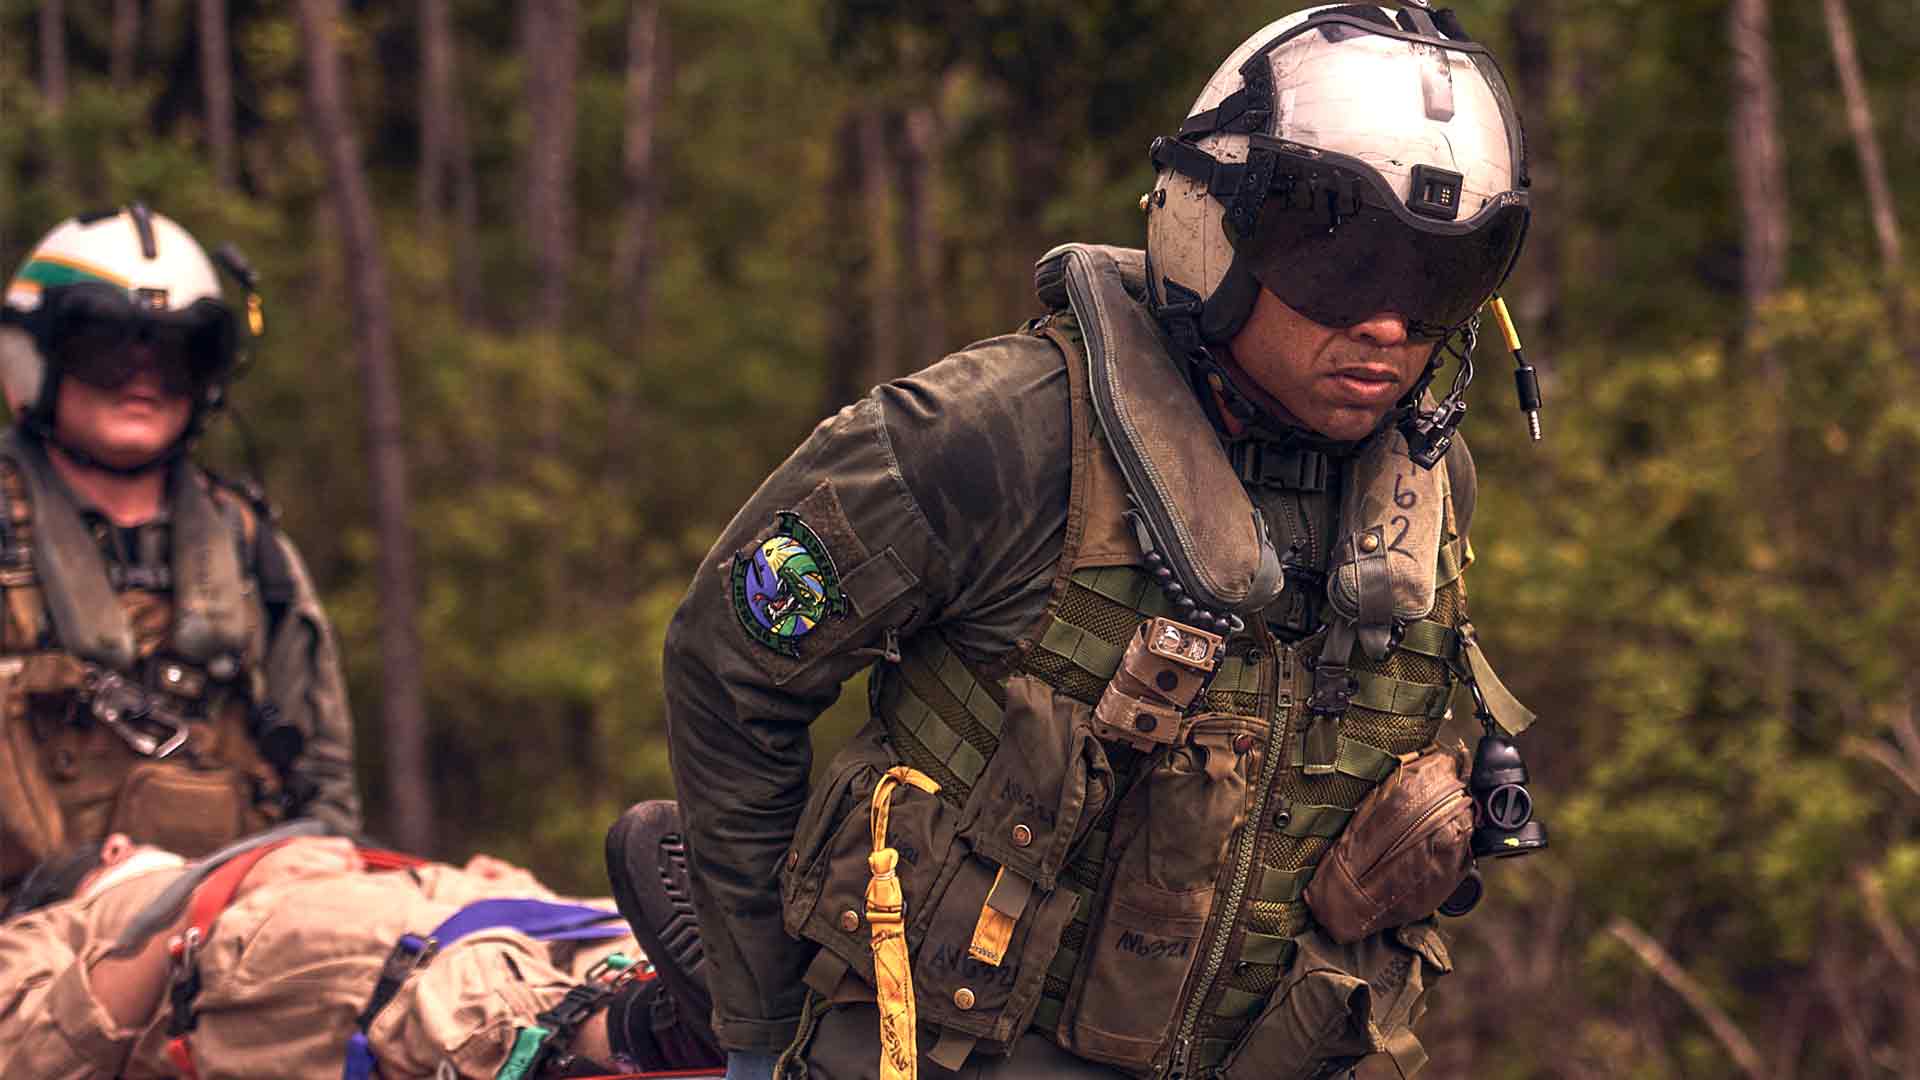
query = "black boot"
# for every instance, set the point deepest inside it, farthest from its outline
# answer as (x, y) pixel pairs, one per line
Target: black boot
(647, 866)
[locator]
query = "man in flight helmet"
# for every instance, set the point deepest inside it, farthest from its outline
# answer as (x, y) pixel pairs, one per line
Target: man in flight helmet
(1161, 600)
(166, 670)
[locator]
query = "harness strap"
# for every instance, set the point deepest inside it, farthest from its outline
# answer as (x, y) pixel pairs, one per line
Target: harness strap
(213, 896)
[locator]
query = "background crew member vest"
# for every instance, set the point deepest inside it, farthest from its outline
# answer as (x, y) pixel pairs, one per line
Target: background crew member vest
(1040, 820)
(69, 773)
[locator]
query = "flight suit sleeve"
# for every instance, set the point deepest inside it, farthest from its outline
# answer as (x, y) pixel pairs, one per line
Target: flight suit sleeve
(740, 694)
(304, 681)
(52, 1026)
(920, 502)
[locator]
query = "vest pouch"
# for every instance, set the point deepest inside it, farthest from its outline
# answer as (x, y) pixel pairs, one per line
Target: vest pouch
(825, 894)
(1339, 1003)
(1408, 847)
(986, 932)
(953, 987)
(802, 873)
(1176, 826)
(185, 810)
(31, 828)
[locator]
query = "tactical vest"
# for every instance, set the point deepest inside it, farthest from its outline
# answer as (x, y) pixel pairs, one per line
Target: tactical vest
(1155, 884)
(128, 692)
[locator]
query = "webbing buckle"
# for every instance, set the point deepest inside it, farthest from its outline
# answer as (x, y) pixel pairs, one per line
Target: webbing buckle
(409, 954)
(183, 987)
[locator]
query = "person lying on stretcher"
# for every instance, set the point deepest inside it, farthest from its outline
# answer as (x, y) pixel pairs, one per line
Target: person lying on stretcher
(304, 956)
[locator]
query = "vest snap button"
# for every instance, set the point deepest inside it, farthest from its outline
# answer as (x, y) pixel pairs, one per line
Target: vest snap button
(963, 998)
(1144, 722)
(1166, 680)
(1022, 836)
(1282, 818)
(1242, 743)
(849, 920)
(1241, 968)
(1370, 542)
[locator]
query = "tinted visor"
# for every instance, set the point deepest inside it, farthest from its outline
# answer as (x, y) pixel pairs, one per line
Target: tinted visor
(101, 336)
(1335, 245)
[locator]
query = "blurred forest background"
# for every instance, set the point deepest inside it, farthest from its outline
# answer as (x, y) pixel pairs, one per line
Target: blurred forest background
(552, 284)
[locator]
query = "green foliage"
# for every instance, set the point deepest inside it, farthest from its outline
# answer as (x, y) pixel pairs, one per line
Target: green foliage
(1705, 575)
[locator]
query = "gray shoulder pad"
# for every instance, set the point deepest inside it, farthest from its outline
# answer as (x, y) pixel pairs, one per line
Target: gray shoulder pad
(1189, 501)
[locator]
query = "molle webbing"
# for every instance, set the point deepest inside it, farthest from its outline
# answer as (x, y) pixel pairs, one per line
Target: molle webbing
(944, 720)
(1315, 808)
(1079, 652)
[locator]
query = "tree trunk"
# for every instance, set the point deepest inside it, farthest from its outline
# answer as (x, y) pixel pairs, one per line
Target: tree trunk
(125, 48)
(446, 166)
(633, 248)
(436, 109)
(917, 162)
(53, 54)
(551, 30)
(1760, 172)
(882, 294)
(1886, 224)
(846, 260)
(216, 84)
(403, 712)
(1760, 178)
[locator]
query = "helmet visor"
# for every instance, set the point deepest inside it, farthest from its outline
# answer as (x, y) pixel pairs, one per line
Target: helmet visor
(99, 335)
(1333, 243)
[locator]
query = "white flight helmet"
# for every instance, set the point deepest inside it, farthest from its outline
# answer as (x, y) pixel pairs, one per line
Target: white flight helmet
(1352, 159)
(98, 283)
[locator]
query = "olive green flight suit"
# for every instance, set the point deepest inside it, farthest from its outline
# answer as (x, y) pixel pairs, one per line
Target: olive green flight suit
(269, 734)
(943, 500)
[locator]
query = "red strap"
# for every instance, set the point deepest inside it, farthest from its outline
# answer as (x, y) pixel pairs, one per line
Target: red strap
(215, 894)
(212, 897)
(182, 1060)
(383, 859)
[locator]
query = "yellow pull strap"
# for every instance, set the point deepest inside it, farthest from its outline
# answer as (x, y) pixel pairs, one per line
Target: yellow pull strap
(887, 920)
(1006, 899)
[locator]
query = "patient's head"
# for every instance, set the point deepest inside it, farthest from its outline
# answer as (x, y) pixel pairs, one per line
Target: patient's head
(88, 870)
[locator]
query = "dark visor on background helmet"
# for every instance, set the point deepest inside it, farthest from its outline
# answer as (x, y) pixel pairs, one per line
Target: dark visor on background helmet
(102, 336)
(1333, 243)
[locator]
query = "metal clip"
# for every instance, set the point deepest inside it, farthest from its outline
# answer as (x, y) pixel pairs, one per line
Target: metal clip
(125, 708)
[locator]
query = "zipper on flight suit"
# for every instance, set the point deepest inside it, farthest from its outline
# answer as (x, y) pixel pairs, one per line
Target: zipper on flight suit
(1245, 851)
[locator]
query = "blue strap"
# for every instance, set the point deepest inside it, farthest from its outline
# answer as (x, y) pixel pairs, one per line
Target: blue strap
(541, 920)
(360, 1063)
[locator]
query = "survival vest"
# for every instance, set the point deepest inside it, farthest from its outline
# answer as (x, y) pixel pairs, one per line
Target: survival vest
(132, 694)
(1122, 869)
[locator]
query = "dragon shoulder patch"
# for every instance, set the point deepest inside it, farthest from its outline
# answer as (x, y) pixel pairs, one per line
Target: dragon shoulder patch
(785, 587)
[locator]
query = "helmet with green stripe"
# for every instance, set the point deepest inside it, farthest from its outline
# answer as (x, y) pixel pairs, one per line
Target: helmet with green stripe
(98, 287)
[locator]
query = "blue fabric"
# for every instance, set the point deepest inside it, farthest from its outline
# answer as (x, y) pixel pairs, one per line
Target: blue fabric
(541, 920)
(742, 1065)
(360, 1063)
